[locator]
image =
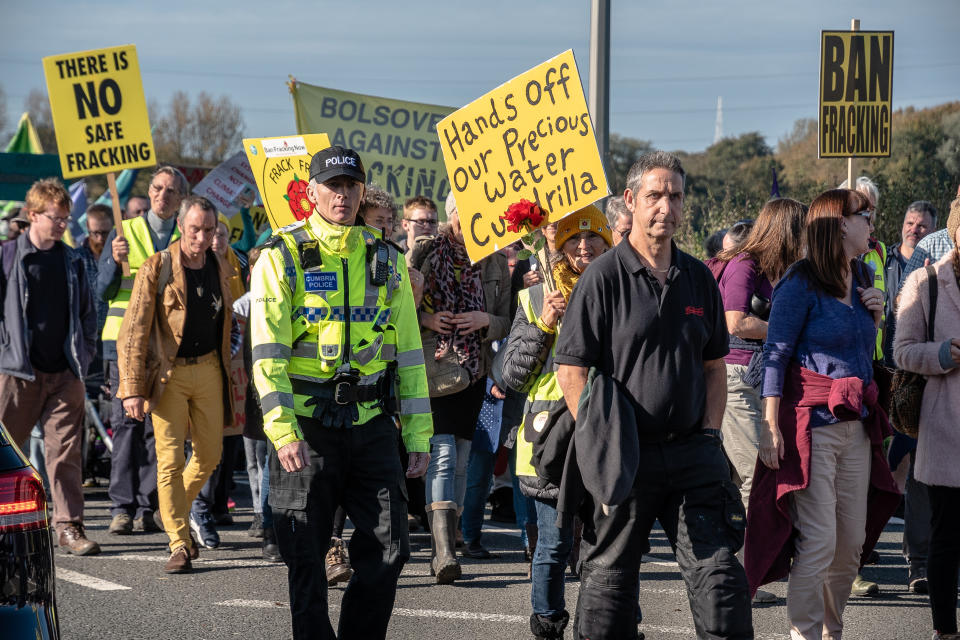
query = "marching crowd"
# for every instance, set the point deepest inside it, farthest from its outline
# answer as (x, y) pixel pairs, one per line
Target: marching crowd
(368, 369)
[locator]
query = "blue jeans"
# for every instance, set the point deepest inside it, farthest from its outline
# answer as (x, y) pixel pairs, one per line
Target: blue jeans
(522, 505)
(447, 471)
(549, 560)
(479, 479)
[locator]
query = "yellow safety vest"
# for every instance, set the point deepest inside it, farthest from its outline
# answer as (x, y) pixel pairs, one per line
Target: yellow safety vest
(140, 241)
(545, 396)
(877, 258)
(298, 327)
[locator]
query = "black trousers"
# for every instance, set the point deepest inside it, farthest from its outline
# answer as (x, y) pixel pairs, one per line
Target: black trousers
(133, 461)
(685, 485)
(358, 469)
(943, 557)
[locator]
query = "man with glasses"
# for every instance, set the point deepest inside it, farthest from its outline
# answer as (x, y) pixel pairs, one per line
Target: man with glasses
(133, 465)
(49, 338)
(419, 219)
(99, 221)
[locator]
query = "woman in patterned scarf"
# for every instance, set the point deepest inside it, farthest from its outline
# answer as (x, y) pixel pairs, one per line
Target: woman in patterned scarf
(468, 307)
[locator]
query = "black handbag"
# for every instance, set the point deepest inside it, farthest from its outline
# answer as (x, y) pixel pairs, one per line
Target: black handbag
(907, 395)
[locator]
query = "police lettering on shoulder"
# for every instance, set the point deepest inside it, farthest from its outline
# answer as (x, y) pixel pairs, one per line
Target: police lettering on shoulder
(337, 361)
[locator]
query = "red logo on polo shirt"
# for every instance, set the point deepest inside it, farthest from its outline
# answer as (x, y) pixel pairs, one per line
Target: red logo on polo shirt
(694, 311)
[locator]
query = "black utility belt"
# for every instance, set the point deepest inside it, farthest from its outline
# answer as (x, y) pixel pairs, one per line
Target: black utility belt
(343, 392)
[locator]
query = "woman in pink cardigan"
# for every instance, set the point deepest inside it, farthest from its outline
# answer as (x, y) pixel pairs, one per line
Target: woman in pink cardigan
(938, 448)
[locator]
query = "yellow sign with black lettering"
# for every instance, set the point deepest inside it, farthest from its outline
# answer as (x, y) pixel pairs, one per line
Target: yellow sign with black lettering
(530, 138)
(281, 167)
(856, 86)
(99, 111)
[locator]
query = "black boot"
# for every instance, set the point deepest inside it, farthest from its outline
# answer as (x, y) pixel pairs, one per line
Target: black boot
(549, 627)
(271, 550)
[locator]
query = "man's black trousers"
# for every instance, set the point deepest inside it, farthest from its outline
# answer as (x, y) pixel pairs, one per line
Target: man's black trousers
(358, 469)
(685, 485)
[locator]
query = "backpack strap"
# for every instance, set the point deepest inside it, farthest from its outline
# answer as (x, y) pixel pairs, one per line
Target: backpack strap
(932, 315)
(166, 272)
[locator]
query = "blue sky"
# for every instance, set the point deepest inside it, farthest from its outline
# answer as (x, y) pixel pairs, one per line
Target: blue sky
(669, 60)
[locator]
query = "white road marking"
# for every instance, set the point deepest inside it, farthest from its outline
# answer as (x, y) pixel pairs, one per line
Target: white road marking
(248, 562)
(472, 615)
(88, 581)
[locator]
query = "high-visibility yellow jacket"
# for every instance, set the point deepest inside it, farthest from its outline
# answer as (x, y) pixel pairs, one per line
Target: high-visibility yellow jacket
(877, 258)
(138, 238)
(297, 327)
(528, 367)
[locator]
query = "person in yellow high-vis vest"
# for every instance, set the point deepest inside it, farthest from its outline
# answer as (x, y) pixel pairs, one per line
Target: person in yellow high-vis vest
(133, 464)
(336, 358)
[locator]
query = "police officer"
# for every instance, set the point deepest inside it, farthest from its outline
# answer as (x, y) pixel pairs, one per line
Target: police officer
(337, 355)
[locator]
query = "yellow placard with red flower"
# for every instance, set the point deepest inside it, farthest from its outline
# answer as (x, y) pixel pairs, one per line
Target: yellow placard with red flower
(531, 138)
(281, 167)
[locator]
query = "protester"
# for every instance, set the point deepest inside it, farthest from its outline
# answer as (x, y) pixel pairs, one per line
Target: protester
(823, 432)
(932, 248)
(750, 270)
(174, 353)
(714, 243)
(919, 220)
(466, 307)
(210, 508)
(528, 368)
(99, 222)
(328, 399)
(378, 210)
(136, 207)
(133, 463)
(938, 446)
(49, 339)
(17, 223)
(649, 319)
(619, 218)
(420, 218)
(736, 235)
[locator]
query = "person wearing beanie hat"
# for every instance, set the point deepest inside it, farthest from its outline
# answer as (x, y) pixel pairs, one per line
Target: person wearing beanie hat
(938, 444)
(581, 237)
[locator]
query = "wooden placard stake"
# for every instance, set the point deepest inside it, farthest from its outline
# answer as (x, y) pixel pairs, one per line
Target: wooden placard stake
(854, 26)
(117, 216)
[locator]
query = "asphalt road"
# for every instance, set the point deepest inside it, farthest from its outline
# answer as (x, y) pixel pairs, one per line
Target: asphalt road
(232, 593)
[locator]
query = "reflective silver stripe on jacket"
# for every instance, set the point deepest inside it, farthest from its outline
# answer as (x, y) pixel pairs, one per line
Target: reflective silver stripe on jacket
(276, 399)
(411, 406)
(273, 350)
(410, 358)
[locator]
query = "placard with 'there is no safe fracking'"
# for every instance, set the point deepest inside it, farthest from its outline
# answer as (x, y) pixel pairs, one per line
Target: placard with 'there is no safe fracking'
(530, 138)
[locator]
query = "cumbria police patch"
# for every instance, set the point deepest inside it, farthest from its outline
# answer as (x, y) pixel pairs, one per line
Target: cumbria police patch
(320, 281)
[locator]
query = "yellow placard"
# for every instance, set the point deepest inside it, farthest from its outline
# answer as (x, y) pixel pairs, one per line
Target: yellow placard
(99, 112)
(395, 138)
(281, 167)
(856, 86)
(530, 138)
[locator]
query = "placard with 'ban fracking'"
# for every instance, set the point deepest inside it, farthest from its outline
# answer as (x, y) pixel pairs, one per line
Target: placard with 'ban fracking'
(856, 87)
(99, 112)
(530, 138)
(281, 167)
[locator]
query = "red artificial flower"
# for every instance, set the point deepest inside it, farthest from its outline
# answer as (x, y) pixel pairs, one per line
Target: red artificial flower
(523, 215)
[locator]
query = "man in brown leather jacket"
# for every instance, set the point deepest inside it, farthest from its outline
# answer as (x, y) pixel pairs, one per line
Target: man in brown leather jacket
(174, 360)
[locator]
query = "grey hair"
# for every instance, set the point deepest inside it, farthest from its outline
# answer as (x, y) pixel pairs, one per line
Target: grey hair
(196, 201)
(864, 185)
(655, 160)
(616, 208)
(923, 206)
(178, 178)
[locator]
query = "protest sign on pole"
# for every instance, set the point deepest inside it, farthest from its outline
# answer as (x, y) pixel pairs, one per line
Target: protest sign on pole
(281, 168)
(530, 138)
(230, 186)
(100, 116)
(856, 86)
(395, 139)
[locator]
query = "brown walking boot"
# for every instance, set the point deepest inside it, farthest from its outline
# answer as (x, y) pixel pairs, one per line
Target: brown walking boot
(179, 561)
(443, 527)
(121, 525)
(73, 539)
(338, 562)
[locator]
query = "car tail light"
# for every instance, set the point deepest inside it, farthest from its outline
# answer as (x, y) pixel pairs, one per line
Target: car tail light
(23, 503)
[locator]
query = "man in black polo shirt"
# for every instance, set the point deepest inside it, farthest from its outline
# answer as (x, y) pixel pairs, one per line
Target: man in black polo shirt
(650, 316)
